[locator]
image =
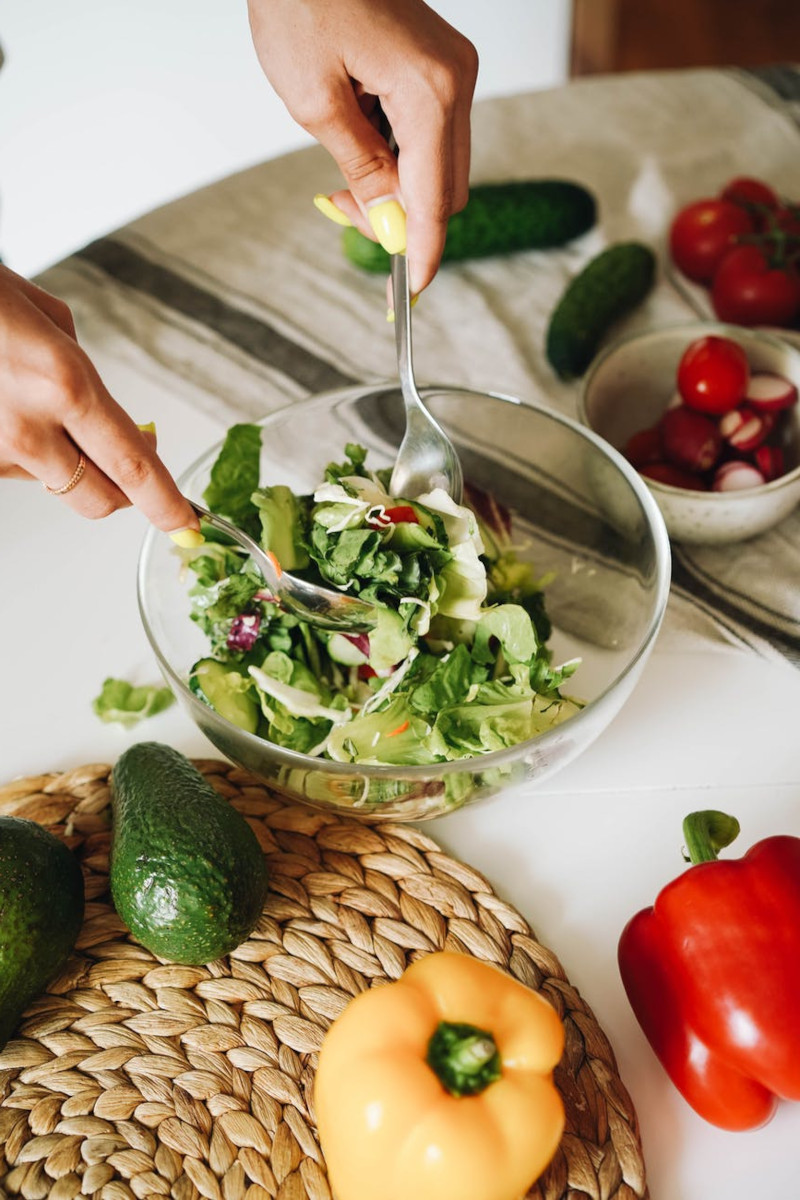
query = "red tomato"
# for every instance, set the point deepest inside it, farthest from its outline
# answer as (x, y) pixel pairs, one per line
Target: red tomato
(402, 513)
(713, 374)
(746, 190)
(748, 291)
(703, 232)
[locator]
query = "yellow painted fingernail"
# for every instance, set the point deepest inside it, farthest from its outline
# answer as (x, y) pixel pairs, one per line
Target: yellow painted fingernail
(411, 303)
(187, 539)
(149, 427)
(388, 222)
(329, 210)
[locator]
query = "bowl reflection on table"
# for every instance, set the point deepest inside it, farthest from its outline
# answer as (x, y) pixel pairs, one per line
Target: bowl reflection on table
(629, 386)
(606, 546)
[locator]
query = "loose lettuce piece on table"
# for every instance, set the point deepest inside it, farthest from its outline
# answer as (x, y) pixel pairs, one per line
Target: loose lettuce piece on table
(121, 703)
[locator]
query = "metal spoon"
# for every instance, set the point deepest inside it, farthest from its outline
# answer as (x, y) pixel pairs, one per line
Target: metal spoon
(426, 458)
(318, 605)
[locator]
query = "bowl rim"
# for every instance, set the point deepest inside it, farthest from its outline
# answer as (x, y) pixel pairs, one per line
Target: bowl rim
(696, 329)
(421, 772)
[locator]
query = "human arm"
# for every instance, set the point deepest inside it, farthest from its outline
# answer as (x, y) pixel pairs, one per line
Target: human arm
(337, 64)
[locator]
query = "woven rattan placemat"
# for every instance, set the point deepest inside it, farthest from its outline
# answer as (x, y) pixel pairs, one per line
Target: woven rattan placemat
(134, 1078)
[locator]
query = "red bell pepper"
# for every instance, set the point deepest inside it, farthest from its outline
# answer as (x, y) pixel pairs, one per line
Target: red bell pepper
(712, 972)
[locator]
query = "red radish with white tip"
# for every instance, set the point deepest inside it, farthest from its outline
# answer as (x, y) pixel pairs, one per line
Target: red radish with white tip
(743, 429)
(770, 393)
(690, 439)
(736, 476)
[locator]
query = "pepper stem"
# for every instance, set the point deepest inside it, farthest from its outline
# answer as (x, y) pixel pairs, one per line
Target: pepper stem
(465, 1059)
(706, 833)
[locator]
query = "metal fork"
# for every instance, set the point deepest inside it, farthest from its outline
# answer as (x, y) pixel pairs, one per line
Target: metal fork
(426, 458)
(313, 603)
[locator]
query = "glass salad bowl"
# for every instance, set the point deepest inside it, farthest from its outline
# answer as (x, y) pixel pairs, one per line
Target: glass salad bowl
(579, 514)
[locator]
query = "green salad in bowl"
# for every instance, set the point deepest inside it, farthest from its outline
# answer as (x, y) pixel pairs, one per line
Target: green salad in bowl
(457, 663)
(556, 562)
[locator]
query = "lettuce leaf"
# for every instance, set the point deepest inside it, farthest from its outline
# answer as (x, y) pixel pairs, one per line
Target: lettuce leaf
(234, 478)
(457, 664)
(284, 520)
(122, 703)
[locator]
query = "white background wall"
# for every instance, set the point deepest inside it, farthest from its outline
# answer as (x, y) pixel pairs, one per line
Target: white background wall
(111, 107)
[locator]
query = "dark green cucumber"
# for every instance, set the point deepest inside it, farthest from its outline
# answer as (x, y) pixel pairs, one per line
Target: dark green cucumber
(611, 285)
(187, 875)
(499, 218)
(41, 911)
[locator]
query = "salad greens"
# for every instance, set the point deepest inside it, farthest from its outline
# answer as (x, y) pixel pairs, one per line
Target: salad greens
(457, 664)
(123, 703)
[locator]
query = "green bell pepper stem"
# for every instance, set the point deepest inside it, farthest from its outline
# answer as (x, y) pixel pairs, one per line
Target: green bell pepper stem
(465, 1059)
(706, 833)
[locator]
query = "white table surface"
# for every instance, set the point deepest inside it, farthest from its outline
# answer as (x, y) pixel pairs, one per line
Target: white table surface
(705, 727)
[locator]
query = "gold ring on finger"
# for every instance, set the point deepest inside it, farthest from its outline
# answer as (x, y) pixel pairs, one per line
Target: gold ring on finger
(74, 479)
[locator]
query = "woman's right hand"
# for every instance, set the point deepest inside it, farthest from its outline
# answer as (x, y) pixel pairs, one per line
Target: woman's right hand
(55, 411)
(337, 65)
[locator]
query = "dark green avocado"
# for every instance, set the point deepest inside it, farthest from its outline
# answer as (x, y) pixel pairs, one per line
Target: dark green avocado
(187, 876)
(41, 912)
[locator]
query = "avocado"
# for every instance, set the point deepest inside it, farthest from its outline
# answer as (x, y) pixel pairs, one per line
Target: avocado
(41, 912)
(187, 874)
(499, 218)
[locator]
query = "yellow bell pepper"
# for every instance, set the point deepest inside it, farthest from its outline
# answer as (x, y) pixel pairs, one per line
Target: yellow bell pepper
(439, 1086)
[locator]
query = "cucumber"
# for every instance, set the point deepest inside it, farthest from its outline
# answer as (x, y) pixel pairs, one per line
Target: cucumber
(499, 218)
(611, 285)
(227, 690)
(187, 874)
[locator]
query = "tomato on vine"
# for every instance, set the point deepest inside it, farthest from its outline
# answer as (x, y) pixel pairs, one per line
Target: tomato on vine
(703, 232)
(749, 288)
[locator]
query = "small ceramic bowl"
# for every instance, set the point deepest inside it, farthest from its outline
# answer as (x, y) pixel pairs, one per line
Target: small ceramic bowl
(629, 386)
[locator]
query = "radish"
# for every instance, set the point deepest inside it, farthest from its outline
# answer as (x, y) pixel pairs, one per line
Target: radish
(735, 476)
(678, 477)
(690, 439)
(743, 428)
(770, 462)
(770, 393)
(643, 447)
